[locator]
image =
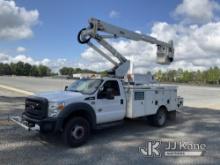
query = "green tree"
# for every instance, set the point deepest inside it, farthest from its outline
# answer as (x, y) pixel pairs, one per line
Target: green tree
(44, 70)
(66, 71)
(13, 67)
(27, 69)
(19, 68)
(171, 75)
(5, 69)
(198, 78)
(158, 75)
(34, 71)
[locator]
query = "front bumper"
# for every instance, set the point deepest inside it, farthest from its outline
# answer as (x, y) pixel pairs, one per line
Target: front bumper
(18, 120)
(45, 125)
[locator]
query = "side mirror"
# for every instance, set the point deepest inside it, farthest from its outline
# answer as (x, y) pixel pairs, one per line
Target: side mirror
(101, 89)
(65, 88)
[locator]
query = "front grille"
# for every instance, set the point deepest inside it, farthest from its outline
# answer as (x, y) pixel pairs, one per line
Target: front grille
(36, 107)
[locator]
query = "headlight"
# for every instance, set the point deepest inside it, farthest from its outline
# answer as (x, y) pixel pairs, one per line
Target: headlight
(55, 108)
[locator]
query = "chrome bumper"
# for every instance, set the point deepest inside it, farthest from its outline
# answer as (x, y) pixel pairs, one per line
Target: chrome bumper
(18, 120)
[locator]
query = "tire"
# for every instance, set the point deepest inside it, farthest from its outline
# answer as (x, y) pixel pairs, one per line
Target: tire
(76, 132)
(160, 118)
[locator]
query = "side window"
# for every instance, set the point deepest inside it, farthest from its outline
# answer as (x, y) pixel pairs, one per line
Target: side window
(138, 95)
(110, 86)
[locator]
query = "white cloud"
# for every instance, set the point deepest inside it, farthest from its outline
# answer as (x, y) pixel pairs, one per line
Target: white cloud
(46, 61)
(196, 44)
(196, 47)
(4, 58)
(114, 14)
(23, 58)
(55, 64)
(58, 63)
(196, 38)
(16, 22)
(20, 49)
(191, 42)
(197, 11)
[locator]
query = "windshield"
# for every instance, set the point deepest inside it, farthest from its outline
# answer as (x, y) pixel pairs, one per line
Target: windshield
(85, 86)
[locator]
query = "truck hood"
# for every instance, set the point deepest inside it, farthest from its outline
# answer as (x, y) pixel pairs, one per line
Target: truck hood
(61, 96)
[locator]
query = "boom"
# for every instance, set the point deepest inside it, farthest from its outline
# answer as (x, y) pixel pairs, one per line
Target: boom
(165, 51)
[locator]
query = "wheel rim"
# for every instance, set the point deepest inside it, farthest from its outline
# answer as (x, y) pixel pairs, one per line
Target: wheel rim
(161, 117)
(78, 132)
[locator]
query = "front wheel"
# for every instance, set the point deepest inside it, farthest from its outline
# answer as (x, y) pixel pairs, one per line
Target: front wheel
(76, 132)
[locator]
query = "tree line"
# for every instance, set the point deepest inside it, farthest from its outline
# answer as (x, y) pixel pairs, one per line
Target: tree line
(70, 71)
(24, 69)
(209, 76)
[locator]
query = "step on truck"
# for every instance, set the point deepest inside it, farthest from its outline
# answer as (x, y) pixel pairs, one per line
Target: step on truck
(94, 103)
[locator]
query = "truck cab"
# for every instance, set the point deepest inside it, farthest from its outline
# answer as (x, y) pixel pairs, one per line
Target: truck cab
(96, 101)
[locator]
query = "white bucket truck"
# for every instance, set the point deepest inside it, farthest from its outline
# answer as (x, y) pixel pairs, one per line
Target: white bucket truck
(89, 104)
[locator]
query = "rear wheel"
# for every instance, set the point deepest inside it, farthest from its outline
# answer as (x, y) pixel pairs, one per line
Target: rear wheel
(160, 118)
(76, 132)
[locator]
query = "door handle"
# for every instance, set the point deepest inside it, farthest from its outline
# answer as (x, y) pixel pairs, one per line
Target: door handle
(122, 101)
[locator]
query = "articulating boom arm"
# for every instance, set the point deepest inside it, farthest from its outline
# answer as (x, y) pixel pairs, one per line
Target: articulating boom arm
(165, 51)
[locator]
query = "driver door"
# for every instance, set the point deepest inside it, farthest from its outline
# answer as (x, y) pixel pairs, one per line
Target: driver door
(110, 105)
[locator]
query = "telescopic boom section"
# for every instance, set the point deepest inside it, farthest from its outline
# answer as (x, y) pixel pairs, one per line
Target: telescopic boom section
(165, 51)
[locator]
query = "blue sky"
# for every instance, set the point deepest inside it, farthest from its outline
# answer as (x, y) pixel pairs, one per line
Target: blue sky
(59, 22)
(44, 32)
